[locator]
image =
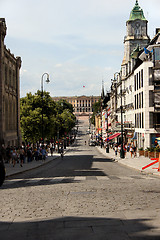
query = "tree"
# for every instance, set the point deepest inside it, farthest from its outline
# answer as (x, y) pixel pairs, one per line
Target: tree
(57, 117)
(96, 109)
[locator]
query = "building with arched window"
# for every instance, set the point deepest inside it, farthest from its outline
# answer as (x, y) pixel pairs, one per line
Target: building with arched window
(9, 93)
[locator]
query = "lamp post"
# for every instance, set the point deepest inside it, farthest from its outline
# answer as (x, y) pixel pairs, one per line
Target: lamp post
(121, 107)
(47, 81)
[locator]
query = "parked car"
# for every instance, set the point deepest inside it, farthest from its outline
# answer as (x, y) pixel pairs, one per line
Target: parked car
(92, 143)
(2, 171)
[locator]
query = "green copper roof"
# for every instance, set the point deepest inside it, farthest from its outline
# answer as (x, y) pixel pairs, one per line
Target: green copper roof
(135, 52)
(137, 13)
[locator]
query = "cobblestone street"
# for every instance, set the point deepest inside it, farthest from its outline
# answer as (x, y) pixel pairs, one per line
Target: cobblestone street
(83, 196)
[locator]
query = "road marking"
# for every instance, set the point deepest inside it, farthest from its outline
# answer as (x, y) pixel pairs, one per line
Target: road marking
(102, 178)
(12, 181)
(34, 180)
(80, 178)
(57, 179)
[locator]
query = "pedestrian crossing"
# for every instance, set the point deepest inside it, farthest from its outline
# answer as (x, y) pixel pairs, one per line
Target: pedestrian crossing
(64, 179)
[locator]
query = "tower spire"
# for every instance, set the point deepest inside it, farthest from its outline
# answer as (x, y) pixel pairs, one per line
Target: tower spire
(102, 94)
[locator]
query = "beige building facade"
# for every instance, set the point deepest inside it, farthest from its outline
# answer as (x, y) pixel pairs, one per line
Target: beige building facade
(82, 105)
(9, 93)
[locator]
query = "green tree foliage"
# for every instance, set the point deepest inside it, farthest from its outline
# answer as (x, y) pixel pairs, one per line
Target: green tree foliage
(96, 109)
(56, 117)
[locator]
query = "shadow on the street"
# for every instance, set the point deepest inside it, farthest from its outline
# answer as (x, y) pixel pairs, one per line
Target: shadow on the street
(69, 167)
(81, 228)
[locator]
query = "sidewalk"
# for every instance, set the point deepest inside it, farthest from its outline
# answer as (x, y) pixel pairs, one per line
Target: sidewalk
(136, 163)
(11, 171)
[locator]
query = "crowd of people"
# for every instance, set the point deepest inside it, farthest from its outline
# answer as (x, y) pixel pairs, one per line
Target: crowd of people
(28, 153)
(130, 147)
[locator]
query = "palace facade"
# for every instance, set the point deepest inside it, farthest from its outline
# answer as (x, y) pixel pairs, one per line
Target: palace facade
(9, 93)
(82, 105)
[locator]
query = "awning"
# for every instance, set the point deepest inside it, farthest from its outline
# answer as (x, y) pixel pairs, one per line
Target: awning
(135, 136)
(113, 136)
(158, 138)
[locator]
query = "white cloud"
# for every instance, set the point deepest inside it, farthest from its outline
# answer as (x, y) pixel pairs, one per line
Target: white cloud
(77, 42)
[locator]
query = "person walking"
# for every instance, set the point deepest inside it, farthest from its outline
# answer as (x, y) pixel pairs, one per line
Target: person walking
(61, 152)
(116, 150)
(14, 156)
(22, 154)
(131, 151)
(135, 151)
(43, 151)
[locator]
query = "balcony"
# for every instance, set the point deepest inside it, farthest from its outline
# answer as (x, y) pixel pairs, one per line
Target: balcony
(157, 99)
(157, 127)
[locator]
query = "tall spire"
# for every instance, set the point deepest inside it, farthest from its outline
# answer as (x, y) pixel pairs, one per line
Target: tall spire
(102, 94)
(137, 12)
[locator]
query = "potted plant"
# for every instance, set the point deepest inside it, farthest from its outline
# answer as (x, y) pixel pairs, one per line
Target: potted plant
(141, 151)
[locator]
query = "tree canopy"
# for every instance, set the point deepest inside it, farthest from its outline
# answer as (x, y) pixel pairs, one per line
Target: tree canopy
(58, 117)
(96, 109)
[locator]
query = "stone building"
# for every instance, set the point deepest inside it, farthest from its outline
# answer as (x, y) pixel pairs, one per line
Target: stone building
(135, 91)
(82, 105)
(9, 93)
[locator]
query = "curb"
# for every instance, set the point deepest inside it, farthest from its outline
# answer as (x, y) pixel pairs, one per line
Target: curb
(35, 167)
(115, 160)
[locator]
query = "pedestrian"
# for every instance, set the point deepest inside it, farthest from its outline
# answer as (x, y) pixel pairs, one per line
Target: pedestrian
(135, 151)
(22, 153)
(3, 153)
(116, 150)
(61, 152)
(29, 154)
(119, 150)
(125, 150)
(8, 154)
(131, 151)
(128, 148)
(14, 156)
(36, 154)
(51, 150)
(43, 152)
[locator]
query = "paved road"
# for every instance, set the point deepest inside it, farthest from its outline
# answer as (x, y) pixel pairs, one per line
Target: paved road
(84, 196)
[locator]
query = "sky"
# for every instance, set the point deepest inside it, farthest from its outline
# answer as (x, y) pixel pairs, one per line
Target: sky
(77, 42)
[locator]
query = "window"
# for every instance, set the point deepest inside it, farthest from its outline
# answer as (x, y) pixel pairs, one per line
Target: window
(139, 79)
(150, 120)
(139, 100)
(142, 100)
(135, 83)
(137, 120)
(151, 99)
(142, 120)
(135, 102)
(142, 78)
(157, 53)
(6, 80)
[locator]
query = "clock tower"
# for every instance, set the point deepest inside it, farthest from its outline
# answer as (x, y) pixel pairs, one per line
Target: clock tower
(136, 32)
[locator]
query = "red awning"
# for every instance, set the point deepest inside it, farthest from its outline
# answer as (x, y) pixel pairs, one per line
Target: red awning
(113, 136)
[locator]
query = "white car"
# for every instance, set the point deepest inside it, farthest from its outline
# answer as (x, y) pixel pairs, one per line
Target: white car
(92, 143)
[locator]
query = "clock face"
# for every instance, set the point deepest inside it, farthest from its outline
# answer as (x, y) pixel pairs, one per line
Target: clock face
(137, 25)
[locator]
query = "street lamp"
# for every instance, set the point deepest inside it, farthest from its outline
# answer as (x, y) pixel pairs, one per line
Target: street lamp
(47, 81)
(121, 107)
